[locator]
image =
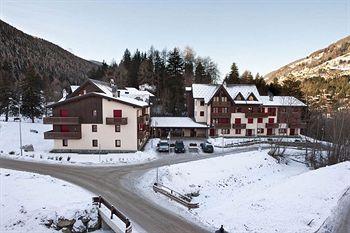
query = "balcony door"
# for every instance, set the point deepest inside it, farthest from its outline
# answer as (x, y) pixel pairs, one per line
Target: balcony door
(292, 132)
(63, 113)
(117, 113)
(249, 132)
(269, 131)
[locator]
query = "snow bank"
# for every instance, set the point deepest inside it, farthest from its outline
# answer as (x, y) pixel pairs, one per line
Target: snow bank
(251, 192)
(28, 200)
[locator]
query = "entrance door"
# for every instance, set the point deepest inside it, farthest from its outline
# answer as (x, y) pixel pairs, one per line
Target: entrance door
(249, 132)
(269, 131)
(292, 132)
(212, 132)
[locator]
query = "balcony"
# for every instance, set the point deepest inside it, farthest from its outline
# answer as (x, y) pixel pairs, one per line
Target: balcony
(142, 134)
(221, 114)
(222, 125)
(61, 120)
(239, 126)
(256, 114)
(271, 125)
(143, 119)
(116, 120)
(221, 104)
(62, 135)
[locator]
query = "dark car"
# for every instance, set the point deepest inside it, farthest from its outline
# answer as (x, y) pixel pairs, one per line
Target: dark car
(207, 147)
(179, 147)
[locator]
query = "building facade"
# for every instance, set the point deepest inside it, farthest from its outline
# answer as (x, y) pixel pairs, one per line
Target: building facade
(239, 110)
(95, 118)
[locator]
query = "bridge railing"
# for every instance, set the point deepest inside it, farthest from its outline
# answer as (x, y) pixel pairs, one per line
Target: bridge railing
(114, 211)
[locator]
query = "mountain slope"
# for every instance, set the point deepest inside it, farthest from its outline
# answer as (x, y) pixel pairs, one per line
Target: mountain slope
(57, 66)
(330, 62)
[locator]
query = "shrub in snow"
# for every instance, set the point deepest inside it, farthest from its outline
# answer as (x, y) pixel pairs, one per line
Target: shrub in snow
(79, 227)
(11, 153)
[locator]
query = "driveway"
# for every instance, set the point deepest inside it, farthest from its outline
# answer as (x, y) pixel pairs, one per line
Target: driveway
(109, 183)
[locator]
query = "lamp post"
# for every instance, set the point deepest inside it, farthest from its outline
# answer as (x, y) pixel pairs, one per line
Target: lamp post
(20, 121)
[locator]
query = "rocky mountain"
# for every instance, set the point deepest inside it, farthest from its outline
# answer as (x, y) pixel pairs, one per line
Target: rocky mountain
(328, 63)
(58, 67)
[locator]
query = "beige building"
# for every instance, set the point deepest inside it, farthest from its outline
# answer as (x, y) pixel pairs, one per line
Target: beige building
(96, 119)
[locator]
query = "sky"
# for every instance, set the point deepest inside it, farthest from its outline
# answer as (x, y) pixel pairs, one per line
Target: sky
(259, 35)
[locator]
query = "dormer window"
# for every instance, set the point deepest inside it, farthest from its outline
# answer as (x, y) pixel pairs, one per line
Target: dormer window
(239, 97)
(252, 97)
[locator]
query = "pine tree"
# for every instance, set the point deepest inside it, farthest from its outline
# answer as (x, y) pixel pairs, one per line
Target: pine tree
(247, 77)
(292, 87)
(6, 89)
(200, 75)
(146, 74)
(233, 77)
(32, 98)
(176, 90)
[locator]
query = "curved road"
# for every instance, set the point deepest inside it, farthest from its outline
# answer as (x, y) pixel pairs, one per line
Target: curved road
(108, 182)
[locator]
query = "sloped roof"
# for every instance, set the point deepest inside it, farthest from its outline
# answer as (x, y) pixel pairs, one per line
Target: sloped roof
(282, 101)
(175, 122)
(245, 90)
(204, 91)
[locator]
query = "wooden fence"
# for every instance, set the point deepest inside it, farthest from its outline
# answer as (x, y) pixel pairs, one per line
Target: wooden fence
(100, 200)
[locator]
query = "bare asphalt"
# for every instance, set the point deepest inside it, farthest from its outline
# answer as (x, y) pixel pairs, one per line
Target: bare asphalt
(109, 182)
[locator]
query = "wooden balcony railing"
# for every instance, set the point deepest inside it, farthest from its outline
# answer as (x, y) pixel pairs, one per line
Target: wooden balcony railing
(221, 114)
(221, 104)
(239, 126)
(116, 120)
(222, 125)
(256, 114)
(62, 135)
(61, 120)
(271, 125)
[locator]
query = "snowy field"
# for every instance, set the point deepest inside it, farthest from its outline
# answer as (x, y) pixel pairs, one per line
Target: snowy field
(251, 192)
(9, 147)
(29, 200)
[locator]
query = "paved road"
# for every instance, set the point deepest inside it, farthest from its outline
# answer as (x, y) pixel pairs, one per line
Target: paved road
(110, 183)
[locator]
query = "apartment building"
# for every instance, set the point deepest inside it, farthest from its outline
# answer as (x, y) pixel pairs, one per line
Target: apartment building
(94, 118)
(239, 110)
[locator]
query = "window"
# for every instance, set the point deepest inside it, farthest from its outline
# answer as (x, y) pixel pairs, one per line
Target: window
(64, 142)
(225, 131)
(283, 110)
(239, 97)
(223, 99)
(117, 113)
(295, 110)
(250, 120)
(260, 130)
(282, 131)
(251, 97)
(95, 143)
(260, 120)
(271, 120)
(271, 111)
(201, 103)
(201, 113)
(237, 120)
(224, 110)
(94, 128)
(215, 110)
(94, 113)
(238, 131)
(118, 143)
(215, 120)
(216, 99)
(117, 128)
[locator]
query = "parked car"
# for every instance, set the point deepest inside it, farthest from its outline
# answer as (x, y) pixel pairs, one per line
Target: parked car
(163, 146)
(193, 147)
(207, 147)
(179, 147)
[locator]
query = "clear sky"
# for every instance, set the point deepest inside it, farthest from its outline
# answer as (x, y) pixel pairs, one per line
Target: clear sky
(259, 35)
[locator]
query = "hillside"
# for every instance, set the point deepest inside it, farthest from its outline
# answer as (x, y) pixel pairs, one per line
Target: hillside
(330, 62)
(58, 67)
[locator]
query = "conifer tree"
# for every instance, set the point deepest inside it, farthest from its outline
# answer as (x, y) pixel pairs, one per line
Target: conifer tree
(6, 89)
(200, 75)
(32, 98)
(233, 77)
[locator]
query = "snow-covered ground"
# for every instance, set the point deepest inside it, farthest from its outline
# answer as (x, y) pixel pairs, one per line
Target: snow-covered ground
(251, 192)
(28, 200)
(9, 147)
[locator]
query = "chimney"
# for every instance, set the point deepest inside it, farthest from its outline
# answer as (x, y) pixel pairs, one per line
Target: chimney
(64, 94)
(114, 88)
(270, 96)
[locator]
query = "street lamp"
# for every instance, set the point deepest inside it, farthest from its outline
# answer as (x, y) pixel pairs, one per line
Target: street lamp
(20, 121)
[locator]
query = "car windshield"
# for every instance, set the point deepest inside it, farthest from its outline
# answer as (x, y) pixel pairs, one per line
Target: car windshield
(179, 143)
(163, 144)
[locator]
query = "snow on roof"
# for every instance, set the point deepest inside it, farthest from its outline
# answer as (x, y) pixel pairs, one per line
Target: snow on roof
(135, 91)
(245, 90)
(175, 122)
(125, 99)
(282, 101)
(104, 86)
(73, 88)
(204, 91)
(188, 88)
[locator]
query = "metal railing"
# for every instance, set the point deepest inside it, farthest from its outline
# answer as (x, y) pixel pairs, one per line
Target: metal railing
(100, 200)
